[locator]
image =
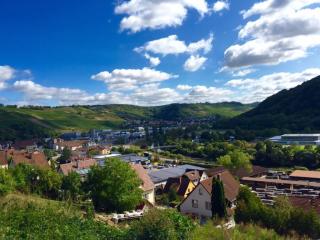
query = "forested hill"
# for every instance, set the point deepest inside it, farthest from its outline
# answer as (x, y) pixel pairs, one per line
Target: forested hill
(40, 121)
(297, 109)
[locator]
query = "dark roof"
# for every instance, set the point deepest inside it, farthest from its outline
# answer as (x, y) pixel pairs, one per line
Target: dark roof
(254, 171)
(230, 184)
(23, 144)
(179, 184)
(193, 175)
(306, 203)
(164, 174)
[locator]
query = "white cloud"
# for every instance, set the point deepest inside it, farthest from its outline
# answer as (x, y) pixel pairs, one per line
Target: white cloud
(284, 31)
(34, 92)
(183, 87)
(171, 45)
(204, 45)
(272, 6)
(6, 73)
(220, 5)
(157, 14)
(194, 63)
(164, 46)
(255, 90)
(129, 79)
(243, 72)
(154, 61)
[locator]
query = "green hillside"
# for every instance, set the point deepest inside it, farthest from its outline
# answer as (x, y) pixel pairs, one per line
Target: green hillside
(40, 121)
(297, 109)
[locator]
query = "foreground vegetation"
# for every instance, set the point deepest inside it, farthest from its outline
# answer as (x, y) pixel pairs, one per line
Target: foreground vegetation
(31, 217)
(99, 187)
(282, 217)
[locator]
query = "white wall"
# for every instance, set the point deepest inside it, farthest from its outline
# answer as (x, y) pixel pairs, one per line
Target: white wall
(186, 206)
(150, 196)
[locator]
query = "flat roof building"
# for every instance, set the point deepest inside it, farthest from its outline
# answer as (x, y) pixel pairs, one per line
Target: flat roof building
(297, 139)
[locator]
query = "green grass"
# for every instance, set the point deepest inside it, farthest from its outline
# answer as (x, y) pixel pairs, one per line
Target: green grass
(30, 217)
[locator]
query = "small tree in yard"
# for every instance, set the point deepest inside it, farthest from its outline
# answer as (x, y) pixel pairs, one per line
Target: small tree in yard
(114, 187)
(218, 201)
(65, 156)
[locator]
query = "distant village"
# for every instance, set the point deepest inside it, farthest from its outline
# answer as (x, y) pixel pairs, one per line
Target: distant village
(191, 185)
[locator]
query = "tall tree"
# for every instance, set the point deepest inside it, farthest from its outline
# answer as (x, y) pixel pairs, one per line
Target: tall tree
(236, 159)
(114, 187)
(218, 201)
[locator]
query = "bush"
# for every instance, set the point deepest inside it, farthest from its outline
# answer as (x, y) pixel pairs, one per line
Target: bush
(7, 183)
(243, 232)
(282, 217)
(160, 225)
(35, 220)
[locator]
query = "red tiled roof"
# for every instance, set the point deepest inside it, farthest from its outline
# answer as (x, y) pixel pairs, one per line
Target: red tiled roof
(77, 165)
(254, 171)
(147, 183)
(35, 158)
(214, 171)
(231, 185)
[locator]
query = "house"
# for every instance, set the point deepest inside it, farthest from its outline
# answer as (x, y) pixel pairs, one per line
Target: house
(81, 167)
(147, 185)
(301, 175)
(184, 184)
(35, 158)
(29, 145)
(60, 144)
(198, 202)
(101, 150)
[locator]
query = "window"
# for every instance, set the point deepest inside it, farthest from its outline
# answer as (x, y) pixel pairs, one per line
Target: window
(208, 205)
(194, 203)
(200, 191)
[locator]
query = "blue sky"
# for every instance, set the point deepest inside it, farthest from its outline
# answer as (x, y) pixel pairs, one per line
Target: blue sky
(154, 52)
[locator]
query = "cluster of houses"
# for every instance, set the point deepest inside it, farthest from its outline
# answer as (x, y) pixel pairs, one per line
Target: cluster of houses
(106, 136)
(193, 184)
